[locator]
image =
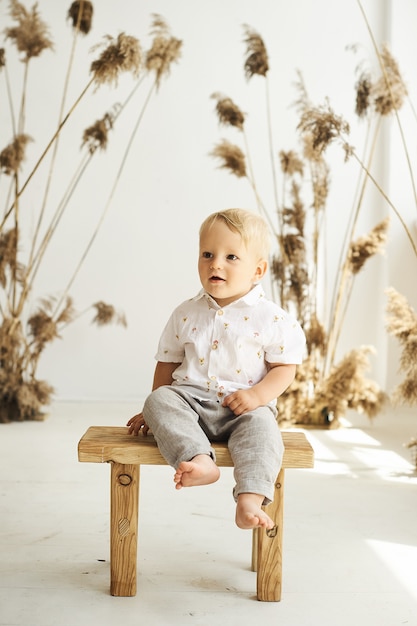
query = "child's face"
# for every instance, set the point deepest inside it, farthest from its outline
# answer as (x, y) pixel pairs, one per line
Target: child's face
(227, 268)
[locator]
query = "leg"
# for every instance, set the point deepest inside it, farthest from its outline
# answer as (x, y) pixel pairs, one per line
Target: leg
(256, 448)
(123, 528)
(269, 558)
(250, 514)
(201, 470)
(173, 418)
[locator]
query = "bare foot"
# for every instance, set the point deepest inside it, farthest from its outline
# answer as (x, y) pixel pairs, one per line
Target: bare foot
(249, 513)
(201, 470)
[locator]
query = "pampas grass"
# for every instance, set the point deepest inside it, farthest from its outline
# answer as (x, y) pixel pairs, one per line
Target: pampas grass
(324, 388)
(26, 331)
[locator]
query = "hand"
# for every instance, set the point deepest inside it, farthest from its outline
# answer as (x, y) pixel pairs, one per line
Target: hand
(137, 424)
(242, 401)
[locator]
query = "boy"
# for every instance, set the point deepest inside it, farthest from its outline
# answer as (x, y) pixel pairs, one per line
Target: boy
(223, 359)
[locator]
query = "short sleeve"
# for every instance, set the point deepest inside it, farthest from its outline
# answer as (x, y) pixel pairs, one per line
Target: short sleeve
(288, 345)
(170, 350)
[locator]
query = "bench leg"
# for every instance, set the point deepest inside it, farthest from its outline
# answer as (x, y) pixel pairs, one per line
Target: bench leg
(269, 560)
(124, 499)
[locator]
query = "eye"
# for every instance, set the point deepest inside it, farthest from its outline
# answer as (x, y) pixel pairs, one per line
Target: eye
(232, 257)
(207, 255)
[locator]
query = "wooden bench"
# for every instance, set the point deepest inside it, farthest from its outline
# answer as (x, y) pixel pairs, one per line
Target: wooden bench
(126, 453)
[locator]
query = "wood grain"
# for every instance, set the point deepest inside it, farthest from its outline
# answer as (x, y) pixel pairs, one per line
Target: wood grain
(101, 444)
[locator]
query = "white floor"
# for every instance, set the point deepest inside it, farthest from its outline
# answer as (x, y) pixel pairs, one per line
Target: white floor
(350, 534)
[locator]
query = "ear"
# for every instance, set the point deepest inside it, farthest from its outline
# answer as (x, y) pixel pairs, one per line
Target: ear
(260, 270)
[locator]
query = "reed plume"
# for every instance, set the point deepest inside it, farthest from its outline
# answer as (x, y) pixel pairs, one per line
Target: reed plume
(389, 91)
(231, 157)
(402, 324)
(120, 54)
(365, 247)
(13, 155)
(31, 34)
(228, 113)
(96, 136)
(106, 314)
(81, 15)
(322, 126)
(165, 49)
(256, 62)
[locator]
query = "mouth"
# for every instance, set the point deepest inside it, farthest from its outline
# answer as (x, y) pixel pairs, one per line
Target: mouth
(216, 279)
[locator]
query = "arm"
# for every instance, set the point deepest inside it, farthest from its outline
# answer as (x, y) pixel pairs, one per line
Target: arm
(162, 376)
(276, 381)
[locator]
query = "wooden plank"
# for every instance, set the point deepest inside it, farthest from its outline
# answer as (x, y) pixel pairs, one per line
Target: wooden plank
(298, 451)
(101, 444)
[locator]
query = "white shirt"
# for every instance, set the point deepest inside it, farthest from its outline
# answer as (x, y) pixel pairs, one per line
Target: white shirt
(224, 349)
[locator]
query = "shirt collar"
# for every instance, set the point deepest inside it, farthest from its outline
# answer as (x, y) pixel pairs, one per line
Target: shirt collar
(252, 297)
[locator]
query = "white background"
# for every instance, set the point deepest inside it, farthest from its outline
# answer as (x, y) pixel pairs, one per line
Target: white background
(144, 258)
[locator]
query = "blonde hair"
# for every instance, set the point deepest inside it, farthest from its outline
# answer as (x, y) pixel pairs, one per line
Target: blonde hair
(250, 226)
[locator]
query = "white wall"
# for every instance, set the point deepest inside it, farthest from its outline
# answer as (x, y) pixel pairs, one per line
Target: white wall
(144, 259)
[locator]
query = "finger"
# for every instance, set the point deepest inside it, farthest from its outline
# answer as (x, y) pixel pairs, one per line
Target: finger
(229, 401)
(135, 425)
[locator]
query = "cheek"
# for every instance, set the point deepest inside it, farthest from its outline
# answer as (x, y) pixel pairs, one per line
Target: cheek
(202, 268)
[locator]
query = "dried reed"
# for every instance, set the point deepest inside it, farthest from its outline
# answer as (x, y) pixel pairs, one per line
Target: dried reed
(323, 390)
(24, 334)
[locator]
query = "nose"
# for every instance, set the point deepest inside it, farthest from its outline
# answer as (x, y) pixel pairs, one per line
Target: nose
(215, 264)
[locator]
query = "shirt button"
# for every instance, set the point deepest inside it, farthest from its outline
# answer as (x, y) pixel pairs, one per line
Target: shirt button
(214, 346)
(220, 312)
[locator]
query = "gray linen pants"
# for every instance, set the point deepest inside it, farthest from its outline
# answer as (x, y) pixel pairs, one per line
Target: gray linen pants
(183, 423)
